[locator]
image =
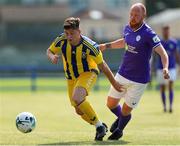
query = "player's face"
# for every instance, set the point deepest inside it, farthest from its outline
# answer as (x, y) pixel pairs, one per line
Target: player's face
(136, 17)
(72, 35)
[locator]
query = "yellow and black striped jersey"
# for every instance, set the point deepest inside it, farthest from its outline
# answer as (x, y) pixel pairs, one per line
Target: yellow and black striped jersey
(77, 59)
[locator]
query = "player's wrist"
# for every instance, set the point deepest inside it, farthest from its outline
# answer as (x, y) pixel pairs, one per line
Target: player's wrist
(165, 69)
(51, 56)
(108, 45)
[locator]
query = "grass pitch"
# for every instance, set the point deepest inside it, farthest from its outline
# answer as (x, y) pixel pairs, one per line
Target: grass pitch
(57, 123)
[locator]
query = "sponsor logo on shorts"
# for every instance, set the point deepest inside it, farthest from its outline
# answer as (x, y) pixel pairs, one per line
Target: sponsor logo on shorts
(89, 82)
(134, 103)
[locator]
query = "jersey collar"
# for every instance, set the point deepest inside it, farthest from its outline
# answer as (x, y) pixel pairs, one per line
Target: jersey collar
(138, 28)
(80, 42)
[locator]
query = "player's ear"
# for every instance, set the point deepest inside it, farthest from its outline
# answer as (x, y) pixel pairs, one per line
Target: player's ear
(144, 15)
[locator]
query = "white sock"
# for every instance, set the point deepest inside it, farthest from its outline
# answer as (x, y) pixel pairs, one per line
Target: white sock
(99, 123)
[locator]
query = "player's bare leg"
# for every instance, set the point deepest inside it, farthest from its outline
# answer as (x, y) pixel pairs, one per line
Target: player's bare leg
(163, 96)
(171, 96)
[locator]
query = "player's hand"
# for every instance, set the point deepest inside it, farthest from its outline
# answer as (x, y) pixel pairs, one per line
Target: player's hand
(166, 73)
(118, 86)
(54, 58)
(102, 47)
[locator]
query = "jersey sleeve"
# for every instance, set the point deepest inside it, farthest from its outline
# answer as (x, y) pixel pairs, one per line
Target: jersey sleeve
(99, 58)
(96, 54)
(55, 47)
(153, 39)
(175, 44)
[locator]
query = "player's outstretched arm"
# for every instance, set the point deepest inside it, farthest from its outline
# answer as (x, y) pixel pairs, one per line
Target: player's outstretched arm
(52, 57)
(106, 70)
(164, 59)
(120, 43)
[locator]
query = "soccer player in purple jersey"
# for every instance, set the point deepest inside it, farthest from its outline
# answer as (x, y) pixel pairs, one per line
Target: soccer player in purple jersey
(170, 46)
(134, 73)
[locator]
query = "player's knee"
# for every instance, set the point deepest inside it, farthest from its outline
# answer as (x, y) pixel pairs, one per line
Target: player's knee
(162, 88)
(77, 99)
(170, 86)
(125, 113)
(112, 103)
(79, 95)
(126, 110)
(109, 105)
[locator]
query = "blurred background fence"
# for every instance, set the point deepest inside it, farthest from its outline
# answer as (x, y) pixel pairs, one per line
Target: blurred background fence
(27, 27)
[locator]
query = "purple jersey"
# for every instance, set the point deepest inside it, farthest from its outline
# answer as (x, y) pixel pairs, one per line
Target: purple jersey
(170, 46)
(135, 65)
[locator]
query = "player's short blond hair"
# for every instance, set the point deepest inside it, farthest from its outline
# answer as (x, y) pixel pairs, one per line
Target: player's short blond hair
(142, 6)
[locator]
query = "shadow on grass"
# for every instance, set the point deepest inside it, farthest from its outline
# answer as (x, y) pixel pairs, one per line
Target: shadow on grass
(119, 142)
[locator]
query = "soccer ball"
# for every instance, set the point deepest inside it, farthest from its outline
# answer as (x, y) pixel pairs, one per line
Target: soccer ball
(25, 122)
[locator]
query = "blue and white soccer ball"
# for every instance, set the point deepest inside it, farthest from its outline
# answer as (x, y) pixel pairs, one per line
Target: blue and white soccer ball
(25, 122)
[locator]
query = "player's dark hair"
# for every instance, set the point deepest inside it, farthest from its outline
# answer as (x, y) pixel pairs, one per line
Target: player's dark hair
(165, 26)
(71, 23)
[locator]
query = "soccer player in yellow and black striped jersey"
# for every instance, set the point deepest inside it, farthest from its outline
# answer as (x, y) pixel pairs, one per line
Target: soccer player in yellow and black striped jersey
(81, 59)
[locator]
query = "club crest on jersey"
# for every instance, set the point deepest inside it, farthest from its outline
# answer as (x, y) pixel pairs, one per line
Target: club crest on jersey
(138, 37)
(171, 46)
(84, 55)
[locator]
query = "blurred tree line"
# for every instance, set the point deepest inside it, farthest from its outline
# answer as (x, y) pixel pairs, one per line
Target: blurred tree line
(155, 6)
